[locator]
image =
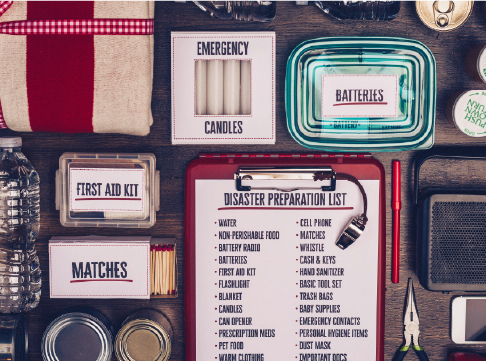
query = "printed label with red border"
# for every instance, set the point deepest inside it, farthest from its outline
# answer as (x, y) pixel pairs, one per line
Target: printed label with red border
(102, 269)
(106, 189)
(359, 95)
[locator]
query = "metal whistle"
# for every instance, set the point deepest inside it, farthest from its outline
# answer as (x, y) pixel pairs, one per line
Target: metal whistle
(353, 231)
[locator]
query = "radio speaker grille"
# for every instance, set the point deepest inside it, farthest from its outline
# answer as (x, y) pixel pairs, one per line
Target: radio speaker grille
(458, 243)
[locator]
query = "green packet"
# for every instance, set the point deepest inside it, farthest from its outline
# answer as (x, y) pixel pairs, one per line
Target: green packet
(467, 112)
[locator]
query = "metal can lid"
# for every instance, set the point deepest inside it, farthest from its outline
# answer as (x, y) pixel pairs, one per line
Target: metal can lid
(144, 336)
(77, 336)
(444, 15)
(13, 337)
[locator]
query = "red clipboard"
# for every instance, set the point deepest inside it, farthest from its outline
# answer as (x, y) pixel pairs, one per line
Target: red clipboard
(224, 166)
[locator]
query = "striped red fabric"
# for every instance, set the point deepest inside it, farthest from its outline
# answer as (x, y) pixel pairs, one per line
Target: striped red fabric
(60, 68)
(60, 71)
(4, 5)
(2, 121)
(79, 26)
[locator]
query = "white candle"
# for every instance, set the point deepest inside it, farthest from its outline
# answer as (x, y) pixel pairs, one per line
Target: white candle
(200, 87)
(245, 103)
(214, 81)
(231, 87)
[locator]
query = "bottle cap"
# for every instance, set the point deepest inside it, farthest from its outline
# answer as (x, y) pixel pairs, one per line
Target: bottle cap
(13, 337)
(10, 142)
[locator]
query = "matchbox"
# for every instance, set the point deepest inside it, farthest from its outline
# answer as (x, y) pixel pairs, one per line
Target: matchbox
(132, 267)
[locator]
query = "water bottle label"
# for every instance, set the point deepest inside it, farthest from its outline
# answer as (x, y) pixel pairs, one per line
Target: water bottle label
(14, 193)
(14, 222)
(105, 189)
(5, 348)
(359, 95)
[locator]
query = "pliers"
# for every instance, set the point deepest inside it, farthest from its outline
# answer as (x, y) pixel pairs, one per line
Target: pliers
(411, 333)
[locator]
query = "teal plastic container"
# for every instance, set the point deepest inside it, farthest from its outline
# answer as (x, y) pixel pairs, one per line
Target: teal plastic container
(361, 94)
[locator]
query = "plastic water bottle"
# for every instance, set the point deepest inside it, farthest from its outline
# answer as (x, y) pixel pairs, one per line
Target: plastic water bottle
(20, 275)
(240, 10)
(360, 10)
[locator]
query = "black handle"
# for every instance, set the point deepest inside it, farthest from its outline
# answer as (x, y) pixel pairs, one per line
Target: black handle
(421, 353)
(400, 355)
(444, 152)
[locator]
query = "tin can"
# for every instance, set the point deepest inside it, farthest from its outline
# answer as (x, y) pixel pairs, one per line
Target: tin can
(467, 112)
(79, 334)
(146, 335)
(13, 337)
(475, 63)
(444, 15)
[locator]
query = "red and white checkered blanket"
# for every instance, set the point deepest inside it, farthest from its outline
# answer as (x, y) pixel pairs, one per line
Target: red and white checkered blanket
(76, 66)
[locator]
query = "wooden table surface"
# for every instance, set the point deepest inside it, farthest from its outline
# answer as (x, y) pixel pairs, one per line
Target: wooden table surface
(293, 24)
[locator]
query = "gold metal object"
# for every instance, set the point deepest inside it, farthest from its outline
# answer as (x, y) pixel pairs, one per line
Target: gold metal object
(444, 15)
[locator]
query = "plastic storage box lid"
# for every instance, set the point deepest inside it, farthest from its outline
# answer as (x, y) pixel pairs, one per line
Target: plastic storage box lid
(361, 94)
(107, 190)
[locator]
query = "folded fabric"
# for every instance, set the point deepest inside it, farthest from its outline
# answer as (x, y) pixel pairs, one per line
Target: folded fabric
(76, 66)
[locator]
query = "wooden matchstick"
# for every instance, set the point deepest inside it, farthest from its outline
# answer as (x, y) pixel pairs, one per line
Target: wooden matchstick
(171, 268)
(151, 270)
(174, 279)
(158, 269)
(164, 268)
(174, 271)
(167, 274)
(161, 270)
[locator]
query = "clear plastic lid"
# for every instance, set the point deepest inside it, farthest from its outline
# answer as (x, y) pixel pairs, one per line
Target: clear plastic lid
(361, 94)
(107, 190)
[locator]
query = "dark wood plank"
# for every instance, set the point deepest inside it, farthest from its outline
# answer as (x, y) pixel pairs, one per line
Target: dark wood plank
(292, 25)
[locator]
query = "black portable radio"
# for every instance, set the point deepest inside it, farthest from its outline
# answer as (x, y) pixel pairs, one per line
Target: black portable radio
(451, 228)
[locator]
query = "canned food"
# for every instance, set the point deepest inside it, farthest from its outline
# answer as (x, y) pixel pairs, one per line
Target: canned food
(444, 15)
(80, 334)
(145, 336)
(475, 63)
(13, 337)
(467, 112)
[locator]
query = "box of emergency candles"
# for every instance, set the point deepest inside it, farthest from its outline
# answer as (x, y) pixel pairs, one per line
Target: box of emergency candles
(223, 87)
(132, 267)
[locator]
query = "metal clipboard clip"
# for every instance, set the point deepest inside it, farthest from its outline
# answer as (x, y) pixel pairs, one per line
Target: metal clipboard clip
(306, 176)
